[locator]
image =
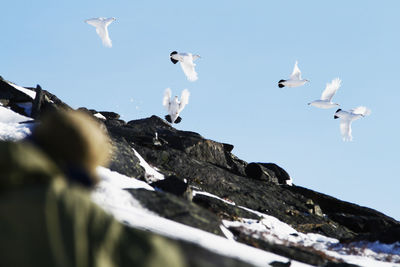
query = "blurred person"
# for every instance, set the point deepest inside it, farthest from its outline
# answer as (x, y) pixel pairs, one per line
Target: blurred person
(47, 217)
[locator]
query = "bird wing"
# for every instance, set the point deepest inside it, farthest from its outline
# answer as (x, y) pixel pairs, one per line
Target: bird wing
(296, 74)
(108, 21)
(361, 110)
(184, 99)
(196, 57)
(345, 129)
(330, 89)
(96, 22)
(166, 99)
(101, 30)
(187, 66)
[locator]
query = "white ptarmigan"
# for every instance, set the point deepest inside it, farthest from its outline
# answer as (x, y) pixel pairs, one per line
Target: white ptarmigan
(327, 95)
(187, 64)
(347, 117)
(101, 25)
(295, 79)
(174, 106)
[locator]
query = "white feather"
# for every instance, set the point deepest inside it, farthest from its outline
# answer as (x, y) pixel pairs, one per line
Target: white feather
(296, 74)
(187, 66)
(347, 118)
(101, 25)
(330, 89)
(167, 98)
(184, 99)
(345, 129)
(361, 110)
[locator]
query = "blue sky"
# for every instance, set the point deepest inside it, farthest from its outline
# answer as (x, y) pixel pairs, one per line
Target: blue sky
(246, 47)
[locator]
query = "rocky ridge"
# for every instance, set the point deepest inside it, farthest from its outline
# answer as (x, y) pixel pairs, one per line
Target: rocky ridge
(193, 164)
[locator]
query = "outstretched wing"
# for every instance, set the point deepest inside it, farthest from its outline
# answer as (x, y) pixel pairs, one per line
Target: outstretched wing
(345, 129)
(188, 68)
(184, 99)
(109, 21)
(96, 22)
(296, 74)
(330, 89)
(167, 98)
(364, 111)
(101, 29)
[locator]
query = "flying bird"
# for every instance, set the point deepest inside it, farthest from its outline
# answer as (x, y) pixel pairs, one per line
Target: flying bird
(101, 25)
(327, 95)
(347, 117)
(174, 106)
(187, 64)
(295, 79)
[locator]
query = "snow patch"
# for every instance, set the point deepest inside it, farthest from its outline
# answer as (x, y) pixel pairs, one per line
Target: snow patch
(151, 174)
(121, 181)
(194, 192)
(28, 92)
(99, 116)
(10, 127)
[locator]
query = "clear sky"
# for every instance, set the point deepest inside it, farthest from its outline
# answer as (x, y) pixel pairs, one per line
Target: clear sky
(246, 47)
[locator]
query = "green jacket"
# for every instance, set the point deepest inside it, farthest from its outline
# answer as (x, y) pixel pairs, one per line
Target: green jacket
(44, 221)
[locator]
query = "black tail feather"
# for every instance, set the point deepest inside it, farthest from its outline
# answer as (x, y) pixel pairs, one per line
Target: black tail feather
(168, 118)
(335, 117)
(178, 120)
(280, 85)
(173, 60)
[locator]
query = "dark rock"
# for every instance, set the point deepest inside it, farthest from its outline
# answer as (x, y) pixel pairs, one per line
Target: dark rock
(193, 144)
(360, 220)
(11, 94)
(172, 184)
(196, 256)
(389, 235)
(222, 209)
(46, 102)
(110, 115)
(280, 264)
(124, 160)
(268, 172)
(296, 252)
(254, 194)
(178, 209)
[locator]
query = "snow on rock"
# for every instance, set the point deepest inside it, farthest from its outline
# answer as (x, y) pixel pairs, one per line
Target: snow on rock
(195, 192)
(110, 195)
(10, 126)
(121, 181)
(28, 92)
(273, 230)
(151, 174)
(9, 116)
(99, 116)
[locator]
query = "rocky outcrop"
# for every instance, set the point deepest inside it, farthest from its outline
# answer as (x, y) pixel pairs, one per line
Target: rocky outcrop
(192, 164)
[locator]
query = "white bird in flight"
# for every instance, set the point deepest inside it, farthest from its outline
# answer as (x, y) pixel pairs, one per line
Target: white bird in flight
(327, 95)
(187, 64)
(174, 106)
(294, 80)
(101, 25)
(347, 117)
